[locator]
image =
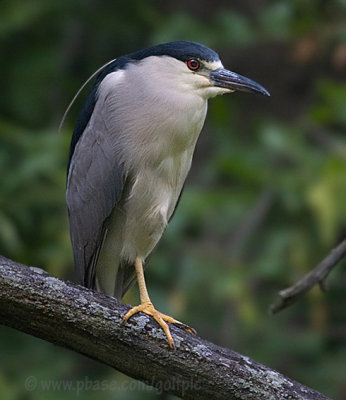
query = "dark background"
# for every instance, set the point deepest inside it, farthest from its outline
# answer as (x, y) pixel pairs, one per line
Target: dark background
(263, 204)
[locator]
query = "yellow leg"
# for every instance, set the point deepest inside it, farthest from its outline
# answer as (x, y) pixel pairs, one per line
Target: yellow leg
(147, 307)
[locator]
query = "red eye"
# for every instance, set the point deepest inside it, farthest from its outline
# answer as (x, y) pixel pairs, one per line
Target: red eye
(193, 64)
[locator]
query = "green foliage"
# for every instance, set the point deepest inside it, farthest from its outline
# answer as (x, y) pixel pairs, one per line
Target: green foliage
(264, 203)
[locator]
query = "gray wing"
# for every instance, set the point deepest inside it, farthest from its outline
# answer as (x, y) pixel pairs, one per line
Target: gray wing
(94, 187)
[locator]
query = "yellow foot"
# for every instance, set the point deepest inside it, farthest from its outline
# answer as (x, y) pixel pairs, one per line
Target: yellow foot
(160, 318)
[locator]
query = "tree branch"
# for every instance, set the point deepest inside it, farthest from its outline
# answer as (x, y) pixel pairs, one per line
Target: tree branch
(318, 275)
(91, 323)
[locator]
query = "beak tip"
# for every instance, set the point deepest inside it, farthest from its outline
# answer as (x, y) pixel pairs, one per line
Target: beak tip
(233, 81)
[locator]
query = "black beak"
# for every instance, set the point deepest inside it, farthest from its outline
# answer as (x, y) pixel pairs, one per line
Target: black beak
(230, 80)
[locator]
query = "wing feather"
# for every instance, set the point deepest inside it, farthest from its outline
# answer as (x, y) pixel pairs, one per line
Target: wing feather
(95, 186)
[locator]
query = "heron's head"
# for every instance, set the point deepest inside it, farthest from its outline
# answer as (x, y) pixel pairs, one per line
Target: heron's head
(188, 66)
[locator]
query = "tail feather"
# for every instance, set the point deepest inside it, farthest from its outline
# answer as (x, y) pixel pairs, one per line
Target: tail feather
(116, 281)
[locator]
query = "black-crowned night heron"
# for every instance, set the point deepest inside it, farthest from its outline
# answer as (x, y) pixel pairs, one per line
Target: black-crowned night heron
(130, 153)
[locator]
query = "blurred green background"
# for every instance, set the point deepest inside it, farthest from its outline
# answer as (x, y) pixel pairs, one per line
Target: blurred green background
(264, 202)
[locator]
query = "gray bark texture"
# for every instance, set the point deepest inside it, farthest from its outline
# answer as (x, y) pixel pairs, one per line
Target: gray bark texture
(92, 324)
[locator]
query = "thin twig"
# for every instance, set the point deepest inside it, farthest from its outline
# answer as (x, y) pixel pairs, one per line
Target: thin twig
(318, 275)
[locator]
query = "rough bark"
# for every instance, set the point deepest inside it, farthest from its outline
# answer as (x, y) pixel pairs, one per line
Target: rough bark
(91, 324)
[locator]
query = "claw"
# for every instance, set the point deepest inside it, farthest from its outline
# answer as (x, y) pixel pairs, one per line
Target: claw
(160, 318)
(185, 327)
